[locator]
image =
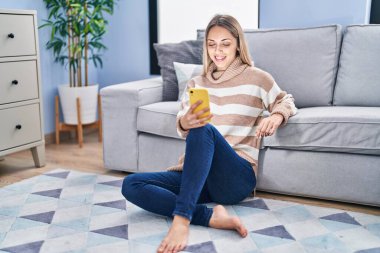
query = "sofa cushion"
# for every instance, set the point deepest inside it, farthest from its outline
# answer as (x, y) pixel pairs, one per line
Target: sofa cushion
(335, 128)
(184, 73)
(186, 52)
(159, 118)
(358, 80)
(302, 61)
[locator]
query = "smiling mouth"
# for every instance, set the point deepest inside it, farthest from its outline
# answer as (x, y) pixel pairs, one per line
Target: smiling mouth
(219, 58)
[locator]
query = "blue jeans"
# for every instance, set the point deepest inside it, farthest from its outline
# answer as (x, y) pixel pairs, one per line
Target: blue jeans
(212, 172)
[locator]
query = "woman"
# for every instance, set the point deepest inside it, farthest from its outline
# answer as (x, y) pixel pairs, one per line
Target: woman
(220, 162)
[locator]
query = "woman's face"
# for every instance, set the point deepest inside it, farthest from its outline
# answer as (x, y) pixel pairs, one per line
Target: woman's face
(221, 47)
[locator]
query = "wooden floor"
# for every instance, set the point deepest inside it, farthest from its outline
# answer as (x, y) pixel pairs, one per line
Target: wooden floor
(68, 155)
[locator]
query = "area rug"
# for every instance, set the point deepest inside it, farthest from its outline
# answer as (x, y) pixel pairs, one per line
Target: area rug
(71, 211)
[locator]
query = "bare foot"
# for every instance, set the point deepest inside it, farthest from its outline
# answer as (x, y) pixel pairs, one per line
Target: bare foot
(221, 219)
(176, 239)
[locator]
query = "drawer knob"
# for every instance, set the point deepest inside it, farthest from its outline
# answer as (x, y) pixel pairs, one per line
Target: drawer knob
(11, 35)
(15, 82)
(18, 127)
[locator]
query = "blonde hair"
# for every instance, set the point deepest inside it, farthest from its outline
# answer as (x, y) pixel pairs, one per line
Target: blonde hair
(232, 25)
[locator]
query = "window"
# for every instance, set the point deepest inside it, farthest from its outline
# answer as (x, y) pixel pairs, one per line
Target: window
(178, 20)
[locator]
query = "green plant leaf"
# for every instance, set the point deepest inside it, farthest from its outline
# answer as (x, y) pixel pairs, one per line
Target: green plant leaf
(97, 60)
(48, 23)
(52, 33)
(84, 18)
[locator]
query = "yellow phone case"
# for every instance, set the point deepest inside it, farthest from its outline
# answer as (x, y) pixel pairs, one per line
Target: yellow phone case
(196, 94)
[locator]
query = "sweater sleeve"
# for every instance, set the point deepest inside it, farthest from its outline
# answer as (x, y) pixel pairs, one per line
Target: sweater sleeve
(184, 107)
(277, 101)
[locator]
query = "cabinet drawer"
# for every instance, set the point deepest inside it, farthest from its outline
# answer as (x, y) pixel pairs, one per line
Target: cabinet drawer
(22, 29)
(19, 126)
(18, 81)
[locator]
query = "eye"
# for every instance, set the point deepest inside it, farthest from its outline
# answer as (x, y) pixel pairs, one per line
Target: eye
(211, 44)
(226, 44)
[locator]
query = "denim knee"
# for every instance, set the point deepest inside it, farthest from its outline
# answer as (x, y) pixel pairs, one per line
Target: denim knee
(127, 188)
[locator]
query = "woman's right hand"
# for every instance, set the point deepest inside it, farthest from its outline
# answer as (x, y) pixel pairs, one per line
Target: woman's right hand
(191, 120)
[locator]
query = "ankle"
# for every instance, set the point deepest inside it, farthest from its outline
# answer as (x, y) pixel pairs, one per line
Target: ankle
(180, 220)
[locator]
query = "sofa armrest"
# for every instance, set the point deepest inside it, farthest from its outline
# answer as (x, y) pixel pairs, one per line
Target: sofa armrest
(120, 103)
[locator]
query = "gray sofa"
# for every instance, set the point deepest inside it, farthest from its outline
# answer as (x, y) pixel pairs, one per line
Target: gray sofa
(330, 149)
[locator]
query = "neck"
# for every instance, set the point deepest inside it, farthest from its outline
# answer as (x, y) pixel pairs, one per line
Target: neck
(216, 75)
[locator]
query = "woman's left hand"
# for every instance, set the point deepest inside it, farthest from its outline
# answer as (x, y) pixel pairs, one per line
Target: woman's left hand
(269, 125)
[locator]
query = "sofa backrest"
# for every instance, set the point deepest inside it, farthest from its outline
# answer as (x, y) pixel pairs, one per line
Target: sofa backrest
(358, 82)
(302, 61)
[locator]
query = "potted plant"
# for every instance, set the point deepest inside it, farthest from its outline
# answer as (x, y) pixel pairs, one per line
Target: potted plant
(77, 28)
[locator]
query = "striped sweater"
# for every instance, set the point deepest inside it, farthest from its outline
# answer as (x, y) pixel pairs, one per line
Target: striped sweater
(238, 97)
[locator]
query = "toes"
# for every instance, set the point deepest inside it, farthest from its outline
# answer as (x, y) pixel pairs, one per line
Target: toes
(242, 231)
(240, 228)
(178, 248)
(182, 247)
(170, 248)
(162, 247)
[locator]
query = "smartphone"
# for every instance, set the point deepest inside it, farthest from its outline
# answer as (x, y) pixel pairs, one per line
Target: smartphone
(196, 94)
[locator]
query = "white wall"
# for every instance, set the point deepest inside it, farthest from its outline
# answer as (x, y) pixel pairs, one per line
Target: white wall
(179, 20)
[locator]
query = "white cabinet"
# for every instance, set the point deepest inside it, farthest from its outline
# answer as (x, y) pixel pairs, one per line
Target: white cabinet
(21, 122)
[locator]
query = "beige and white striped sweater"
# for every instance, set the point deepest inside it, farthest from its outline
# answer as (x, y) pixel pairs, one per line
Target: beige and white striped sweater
(238, 97)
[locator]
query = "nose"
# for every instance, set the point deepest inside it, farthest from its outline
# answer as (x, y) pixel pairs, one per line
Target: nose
(218, 48)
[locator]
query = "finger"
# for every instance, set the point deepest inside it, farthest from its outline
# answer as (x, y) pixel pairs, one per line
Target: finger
(273, 129)
(269, 127)
(258, 133)
(202, 114)
(198, 122)
(208, 117)
(201, 125)
(195, 105)
(203, 111)
(205, 119)
(194, 123)
(276, 125)
(264, 127)
(261, 126)
(258, 129)
(203, 122)
(192, 117)
(191, 120)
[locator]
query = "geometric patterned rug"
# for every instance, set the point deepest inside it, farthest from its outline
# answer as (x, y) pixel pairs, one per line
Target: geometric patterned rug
(70, 211)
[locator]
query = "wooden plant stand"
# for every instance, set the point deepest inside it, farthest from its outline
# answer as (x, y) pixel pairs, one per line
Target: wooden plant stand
(62, 127)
